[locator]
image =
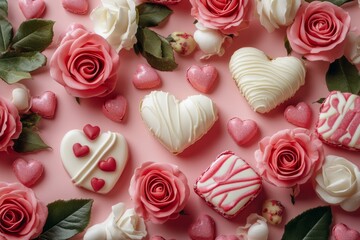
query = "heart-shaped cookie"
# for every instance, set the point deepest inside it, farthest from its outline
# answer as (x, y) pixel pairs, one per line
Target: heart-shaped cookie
(299, 115)
(263, 82)
(202, 78)
(341, 231)
(178, 124)
(242, 131)
(203, 228)
(32, 8)
(101, 167)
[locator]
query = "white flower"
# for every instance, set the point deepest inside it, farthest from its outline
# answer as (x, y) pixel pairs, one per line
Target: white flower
(210, 41)
(256, 228)
(115, 21)
(274, 13)
(338, 183)
(352, 49)
(120, 225)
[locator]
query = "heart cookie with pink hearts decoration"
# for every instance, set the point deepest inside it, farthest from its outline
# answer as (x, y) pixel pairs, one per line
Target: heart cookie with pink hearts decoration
(32, 8)
(299, 115)
(94, 162)
(202, 78)
(242, 131)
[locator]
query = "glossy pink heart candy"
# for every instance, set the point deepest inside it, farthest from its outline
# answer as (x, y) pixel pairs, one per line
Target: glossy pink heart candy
(300, 115)
(203, 228)
(242, 131)
(32, 8)
(146, 77)
(76, 6)
(202, 78)
(342, 232)
(44, 105)
(97, 183)
(91, 132)
(28, 172)
(80, 150)
(115, 108)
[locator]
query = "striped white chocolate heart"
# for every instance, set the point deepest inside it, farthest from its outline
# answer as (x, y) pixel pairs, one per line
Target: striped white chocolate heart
(99, 167)
(178, 124)
(263, 82)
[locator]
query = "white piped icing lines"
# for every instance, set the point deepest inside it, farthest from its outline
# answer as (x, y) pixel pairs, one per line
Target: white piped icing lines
(263, 82)
(178, 124)
(228, 185)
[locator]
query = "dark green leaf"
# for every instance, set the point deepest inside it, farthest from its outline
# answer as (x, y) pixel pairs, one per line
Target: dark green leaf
(30, 120)
(29, 141)
(287, 46)
(66, 218)
(6, 34)
(166, 62)
(336, 2)
(77, 99)
(321, 100)
(150, 41)
(151, 15)
(3, 9)
(12, 76)
(33, 35)
(310, 225)
(343, 76)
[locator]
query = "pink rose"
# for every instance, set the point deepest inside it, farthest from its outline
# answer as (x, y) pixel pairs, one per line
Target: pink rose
(289, 157)
(85, 64)
(319, 31)
(22, 216)
(227, 16)
(159, 191)
(10, 125)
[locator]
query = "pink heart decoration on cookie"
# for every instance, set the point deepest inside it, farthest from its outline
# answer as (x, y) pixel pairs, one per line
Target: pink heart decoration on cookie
(203, 228)
(300, 115)
(76, 6)
(242, 131)
(342, 232)
(115, 109)
(202, 78)
(44, 105)
(28, 172)
(97, 184)
(92, 132)
(32, 8)
(146, 77)
(108, 165)
(80, 150)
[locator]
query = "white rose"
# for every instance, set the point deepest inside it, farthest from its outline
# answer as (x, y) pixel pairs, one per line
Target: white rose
(210, 41)
(115, 21)
(274, 13)
(352, 49)
(120, 225)
(338, 182)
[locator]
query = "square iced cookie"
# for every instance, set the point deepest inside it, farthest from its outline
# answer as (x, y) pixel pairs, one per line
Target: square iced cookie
(339, 120)
(228, 185)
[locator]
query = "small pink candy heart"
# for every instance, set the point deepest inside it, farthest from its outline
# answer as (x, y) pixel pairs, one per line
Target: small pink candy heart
(146, 77)
(115, 108)
(92, 132)
(76, 6)
(108, 165)
(97, 184)
(202, 78)
(32, 8)
(44, 105)
(203, 228)
(28, 172)
(242, 131)
(300, 115)
(342, 232)
(80, 150)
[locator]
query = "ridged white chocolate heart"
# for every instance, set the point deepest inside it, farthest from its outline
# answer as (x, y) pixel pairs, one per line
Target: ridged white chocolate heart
(263, 82)
(178, 124)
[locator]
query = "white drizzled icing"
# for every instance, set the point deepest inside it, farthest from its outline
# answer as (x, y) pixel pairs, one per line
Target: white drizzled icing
(82, 170)
(266, 83)
(178, 124)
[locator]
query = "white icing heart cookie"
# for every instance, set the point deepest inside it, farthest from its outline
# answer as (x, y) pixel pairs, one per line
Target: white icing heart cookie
(94, 162)
(178, 124)
(263, 82)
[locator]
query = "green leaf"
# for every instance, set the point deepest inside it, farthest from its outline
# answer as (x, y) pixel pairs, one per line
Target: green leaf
(336, 2)
(33, 35)
(287, 46)
(3, 9)
(30, 120)
(151, 15)
(6, 34)
(29, 141)
(66, 218)
(311, 224)
(16, 66)
(320, 100)
(343, 76)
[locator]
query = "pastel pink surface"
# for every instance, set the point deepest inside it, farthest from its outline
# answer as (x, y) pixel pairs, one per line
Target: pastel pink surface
(202, 78)
(76, 6)
(342, 232)
(55, 183)
(45, 104)
(145, 77)
(115, 108)
(32, 8)
(227, 237)
(242, 131)
(203, 228)
(300, 115)
(28, 172)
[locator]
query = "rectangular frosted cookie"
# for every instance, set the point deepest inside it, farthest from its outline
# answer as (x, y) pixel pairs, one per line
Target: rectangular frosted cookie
(339, 120)
(228, 185)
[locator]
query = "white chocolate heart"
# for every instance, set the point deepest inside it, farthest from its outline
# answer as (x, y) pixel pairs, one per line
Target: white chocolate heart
(263, 82)
(178, 124)
(83, 170)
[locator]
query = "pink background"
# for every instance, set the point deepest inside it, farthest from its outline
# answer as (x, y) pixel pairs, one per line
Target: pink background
(55, 183)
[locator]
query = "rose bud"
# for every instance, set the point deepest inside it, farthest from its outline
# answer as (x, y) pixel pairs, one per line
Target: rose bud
(273, 211)
(182, 43)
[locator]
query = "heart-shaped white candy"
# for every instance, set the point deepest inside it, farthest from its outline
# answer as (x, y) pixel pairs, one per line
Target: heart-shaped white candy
(266, 83)
(101, 167)
(178, 124)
